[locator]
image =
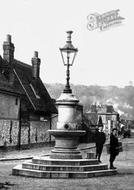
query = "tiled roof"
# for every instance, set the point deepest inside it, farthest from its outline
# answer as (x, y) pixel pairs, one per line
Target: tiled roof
(34, 88)
(103, 109)
(25, 84)
(5, 86)
(110, 109)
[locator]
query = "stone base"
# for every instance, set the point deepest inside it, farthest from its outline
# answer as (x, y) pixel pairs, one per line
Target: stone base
(45, 167)
(66, 143)
(91, 155)
(65, 154)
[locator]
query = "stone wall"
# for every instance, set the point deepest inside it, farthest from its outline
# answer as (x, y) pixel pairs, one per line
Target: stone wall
(33, 132)
(38, 131)
(9, 132)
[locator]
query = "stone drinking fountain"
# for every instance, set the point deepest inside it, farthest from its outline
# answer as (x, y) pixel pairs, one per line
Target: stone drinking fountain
(65, 160)
(66, 135)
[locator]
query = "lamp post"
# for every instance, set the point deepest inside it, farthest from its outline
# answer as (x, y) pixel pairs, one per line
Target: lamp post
(70, 52)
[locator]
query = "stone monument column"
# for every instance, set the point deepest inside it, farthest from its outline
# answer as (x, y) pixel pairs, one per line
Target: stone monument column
(67, 133)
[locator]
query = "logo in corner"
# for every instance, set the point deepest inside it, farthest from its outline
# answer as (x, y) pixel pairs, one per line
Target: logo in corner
(104, 21)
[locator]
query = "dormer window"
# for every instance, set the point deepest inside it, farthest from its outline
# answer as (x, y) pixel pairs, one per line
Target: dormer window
(16, 101)
(36, 95)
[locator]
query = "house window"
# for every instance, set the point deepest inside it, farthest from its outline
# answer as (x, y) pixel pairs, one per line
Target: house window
(16, 101)
(36, 95)
(43, 119)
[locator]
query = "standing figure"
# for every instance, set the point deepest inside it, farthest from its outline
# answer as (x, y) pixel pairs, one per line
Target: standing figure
(100, 139)
(114, 147)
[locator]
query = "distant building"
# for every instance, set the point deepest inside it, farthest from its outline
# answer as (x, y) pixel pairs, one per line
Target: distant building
(92, 116)
(26, 106)
(109, 116)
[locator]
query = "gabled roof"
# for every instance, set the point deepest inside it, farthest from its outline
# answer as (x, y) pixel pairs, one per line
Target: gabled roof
(107, 110)
(34, 88)
(5, 85)
(25, 84)
(102, 110)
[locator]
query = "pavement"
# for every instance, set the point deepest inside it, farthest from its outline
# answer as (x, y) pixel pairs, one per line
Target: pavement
(45, 150)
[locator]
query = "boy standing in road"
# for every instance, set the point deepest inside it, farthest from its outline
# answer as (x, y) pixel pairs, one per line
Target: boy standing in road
(114, 147)
(100, 139)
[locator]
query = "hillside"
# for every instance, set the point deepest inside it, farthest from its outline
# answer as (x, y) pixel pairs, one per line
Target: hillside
(121, 98)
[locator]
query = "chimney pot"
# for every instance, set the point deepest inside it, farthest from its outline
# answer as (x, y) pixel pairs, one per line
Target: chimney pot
(9, 38)
(36, 54)
(8, 49)
(36, 65)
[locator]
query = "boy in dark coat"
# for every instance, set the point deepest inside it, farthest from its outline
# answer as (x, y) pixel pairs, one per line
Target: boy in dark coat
(114, 147)
(100, 139)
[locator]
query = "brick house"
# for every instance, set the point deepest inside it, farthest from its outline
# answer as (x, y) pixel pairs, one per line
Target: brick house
(109, 117)
(26, 107)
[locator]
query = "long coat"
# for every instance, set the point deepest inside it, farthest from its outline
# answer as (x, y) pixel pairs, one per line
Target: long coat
(100, 138)
(114, 145)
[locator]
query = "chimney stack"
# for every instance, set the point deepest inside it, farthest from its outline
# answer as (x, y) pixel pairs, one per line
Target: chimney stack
(36, 65)
(8, 47)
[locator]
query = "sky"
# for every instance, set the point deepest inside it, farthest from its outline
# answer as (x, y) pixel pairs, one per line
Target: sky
(104, 57)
